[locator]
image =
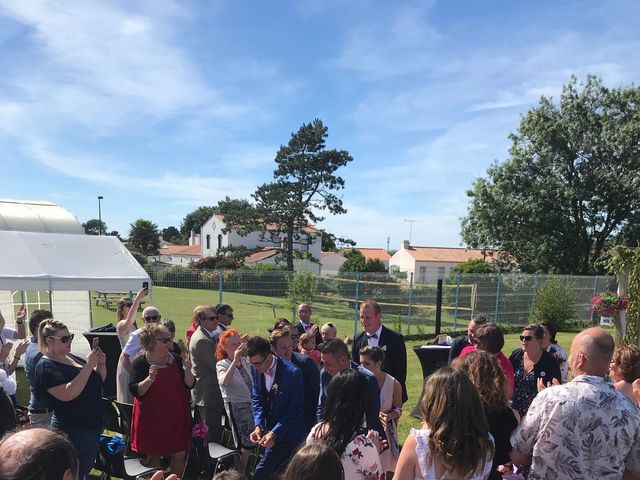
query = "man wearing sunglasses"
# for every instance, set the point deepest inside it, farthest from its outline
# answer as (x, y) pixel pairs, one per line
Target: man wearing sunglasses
(206, 393)
(132, 349)
(225, 317)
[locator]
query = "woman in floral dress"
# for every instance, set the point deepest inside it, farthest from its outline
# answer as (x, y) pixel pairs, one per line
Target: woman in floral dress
(341, 427)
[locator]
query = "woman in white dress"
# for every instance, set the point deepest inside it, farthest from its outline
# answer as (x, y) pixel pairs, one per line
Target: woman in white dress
(126, 313)
(342, 427)
(454, 441)
(372, 358)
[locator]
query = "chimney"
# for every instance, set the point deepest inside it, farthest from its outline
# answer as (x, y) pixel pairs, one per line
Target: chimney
(405, 244)
(197, 239)
(192, 238)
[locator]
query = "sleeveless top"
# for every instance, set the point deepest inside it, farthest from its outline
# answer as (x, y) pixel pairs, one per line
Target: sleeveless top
(423, 453)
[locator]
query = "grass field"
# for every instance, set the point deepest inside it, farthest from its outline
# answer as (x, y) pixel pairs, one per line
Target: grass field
(255, 314)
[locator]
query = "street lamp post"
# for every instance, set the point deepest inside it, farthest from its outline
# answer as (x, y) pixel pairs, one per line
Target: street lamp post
(100, 197)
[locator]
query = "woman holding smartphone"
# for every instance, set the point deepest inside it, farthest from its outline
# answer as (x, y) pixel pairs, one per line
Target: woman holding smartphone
(73, 387)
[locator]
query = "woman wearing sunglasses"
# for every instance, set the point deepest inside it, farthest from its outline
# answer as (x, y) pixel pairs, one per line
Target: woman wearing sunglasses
(161, 420)
(73, 387)
(533, 367)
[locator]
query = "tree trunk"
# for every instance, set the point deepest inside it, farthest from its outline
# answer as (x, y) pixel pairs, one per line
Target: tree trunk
(290, 246)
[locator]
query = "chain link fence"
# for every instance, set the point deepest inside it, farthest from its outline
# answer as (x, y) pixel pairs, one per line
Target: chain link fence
(507, 298)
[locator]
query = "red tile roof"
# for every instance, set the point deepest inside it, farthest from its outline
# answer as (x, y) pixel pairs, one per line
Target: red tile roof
(447, 254)
(260, 254)
(379, 253)
(193, 250)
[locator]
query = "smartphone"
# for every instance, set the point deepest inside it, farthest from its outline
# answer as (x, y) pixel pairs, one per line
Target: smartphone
(95, 342)
(145, 285)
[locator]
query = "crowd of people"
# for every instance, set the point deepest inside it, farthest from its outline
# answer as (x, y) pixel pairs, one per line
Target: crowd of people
(320, 409)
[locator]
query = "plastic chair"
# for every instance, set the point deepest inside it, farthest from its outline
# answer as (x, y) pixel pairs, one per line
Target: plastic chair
(111, 418)
(219, 454)
(126, 412)
(116, 465)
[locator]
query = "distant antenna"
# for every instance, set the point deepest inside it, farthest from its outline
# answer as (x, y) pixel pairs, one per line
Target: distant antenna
(411, 222)
(388, 240)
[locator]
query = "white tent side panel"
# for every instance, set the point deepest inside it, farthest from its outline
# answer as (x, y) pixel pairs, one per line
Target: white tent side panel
(56, 261)
(73, 309)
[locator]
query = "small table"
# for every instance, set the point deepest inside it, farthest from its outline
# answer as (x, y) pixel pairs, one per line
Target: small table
(432, 357)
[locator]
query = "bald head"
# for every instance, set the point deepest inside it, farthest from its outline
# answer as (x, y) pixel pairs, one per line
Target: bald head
(591, 352)
(37, 453)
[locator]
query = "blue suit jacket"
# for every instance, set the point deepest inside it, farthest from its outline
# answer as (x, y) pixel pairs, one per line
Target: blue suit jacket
(280, 409)
(373, 414)
(311, 381)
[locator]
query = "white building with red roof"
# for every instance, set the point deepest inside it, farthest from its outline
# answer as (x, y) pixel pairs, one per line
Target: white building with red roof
(428, 264)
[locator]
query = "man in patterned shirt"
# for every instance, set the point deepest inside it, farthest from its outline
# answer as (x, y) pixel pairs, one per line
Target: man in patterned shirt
(585, 428)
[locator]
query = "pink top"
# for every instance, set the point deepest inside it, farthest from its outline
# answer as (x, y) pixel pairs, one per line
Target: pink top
(504, 362)
(313, 355)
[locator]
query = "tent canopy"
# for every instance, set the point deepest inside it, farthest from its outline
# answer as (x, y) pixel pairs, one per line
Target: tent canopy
(60, 261)
(37, 216)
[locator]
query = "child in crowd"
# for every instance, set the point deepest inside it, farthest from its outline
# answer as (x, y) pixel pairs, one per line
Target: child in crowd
(328, 332)
(308, 347)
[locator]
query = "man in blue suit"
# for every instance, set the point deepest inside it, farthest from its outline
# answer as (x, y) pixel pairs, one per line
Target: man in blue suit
(282, 345)
(278, 400)
(335, 357)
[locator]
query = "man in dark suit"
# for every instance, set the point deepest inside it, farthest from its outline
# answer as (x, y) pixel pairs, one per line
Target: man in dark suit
(335, 357)
(225, 317)
(304, 324)
(392, 343)
(282, 345)
(206, 392)
(460, 343)
(278, 402)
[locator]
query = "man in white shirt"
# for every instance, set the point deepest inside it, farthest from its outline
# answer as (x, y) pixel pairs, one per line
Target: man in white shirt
(584, 428)
(304, 324)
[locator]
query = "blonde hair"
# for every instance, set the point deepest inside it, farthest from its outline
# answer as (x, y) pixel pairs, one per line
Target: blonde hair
(150, 333)
(199, 313)
(48, 328)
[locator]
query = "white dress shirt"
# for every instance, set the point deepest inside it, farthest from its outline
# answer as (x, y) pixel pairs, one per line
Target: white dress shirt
(268, 379)
(373, 341)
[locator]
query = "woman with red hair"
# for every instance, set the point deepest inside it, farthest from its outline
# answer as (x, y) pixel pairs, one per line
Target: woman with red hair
(234, 377)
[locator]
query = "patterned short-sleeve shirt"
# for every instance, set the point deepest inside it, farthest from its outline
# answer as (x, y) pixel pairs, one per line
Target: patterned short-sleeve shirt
(583, 429)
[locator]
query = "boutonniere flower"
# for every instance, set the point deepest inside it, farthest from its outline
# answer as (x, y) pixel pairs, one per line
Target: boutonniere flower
(384, 348)
(275, 389)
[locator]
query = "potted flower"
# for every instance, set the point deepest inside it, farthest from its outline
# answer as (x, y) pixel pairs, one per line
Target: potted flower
(606, 304)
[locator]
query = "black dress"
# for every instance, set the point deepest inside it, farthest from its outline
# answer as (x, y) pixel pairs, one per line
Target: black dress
(501, 424)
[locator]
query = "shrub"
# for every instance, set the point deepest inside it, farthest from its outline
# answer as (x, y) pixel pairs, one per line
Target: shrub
(302, 287)
(555, 302)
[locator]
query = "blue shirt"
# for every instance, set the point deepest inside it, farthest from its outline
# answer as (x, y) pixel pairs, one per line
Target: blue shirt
(31, 358)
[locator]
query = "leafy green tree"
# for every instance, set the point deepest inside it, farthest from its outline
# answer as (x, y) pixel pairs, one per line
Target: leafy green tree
(473, 266)
(144, 237)
(331, 243)
(301, 287)
(172, 234)
(356, 262)
(570, 187)
(115, 233)
(194, 220)
(92, 227)
(304, 183)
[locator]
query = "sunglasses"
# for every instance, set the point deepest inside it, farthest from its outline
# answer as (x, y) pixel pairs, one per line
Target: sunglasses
(64, 338)
(230, 315)
(526, 338)
(212, 317)
(152, 318)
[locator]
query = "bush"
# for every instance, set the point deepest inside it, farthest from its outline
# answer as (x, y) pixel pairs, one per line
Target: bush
(555, 302)
(302, 287)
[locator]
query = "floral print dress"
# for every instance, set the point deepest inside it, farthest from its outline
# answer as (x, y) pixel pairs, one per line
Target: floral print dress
(525, 389)
(360, 460)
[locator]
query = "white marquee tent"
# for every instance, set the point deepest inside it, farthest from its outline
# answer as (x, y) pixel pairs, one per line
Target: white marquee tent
(43, 250)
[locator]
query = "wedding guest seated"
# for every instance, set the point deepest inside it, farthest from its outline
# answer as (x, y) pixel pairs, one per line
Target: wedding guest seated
(489, 338)
(315, 461)
(372, 358)
(234, 378)
(487, 376)
(161, 420)
(550, 344)
(37, 454)
(624, 369)
(348, 399)
(531, 365)
(454, 441)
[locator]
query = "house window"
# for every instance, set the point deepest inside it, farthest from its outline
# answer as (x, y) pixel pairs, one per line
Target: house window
(422, 276)
(219, 242)
(440, 272)
(208, 241)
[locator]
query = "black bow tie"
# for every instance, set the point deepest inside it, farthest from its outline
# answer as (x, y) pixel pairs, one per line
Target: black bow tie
(372, 335)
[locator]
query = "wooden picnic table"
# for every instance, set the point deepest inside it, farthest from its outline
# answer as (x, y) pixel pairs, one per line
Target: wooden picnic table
(110, 300)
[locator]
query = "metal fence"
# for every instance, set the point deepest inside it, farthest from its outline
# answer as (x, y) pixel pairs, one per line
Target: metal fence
(507, 298)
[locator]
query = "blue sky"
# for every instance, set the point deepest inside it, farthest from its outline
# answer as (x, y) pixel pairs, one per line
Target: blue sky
(166, 106)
